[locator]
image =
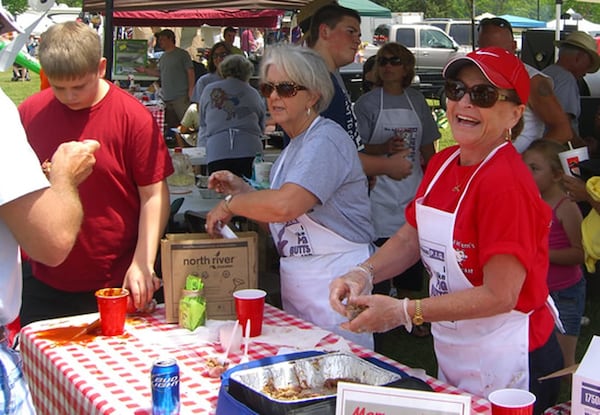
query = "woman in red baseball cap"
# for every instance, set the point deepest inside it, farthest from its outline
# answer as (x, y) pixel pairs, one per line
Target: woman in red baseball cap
(480, 227)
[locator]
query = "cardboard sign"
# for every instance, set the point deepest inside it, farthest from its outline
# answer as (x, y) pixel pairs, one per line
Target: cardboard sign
(356, 399)
(585, 394)
(225, 265)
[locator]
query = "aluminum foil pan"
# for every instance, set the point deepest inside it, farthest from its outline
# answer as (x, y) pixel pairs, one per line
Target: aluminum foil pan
(284, 387)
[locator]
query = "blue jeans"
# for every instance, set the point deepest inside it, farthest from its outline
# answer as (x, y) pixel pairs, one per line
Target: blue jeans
(15, 398)
(570, 302)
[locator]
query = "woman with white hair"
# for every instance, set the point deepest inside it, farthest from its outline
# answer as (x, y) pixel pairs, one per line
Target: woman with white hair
(317, 207)
(232, 118)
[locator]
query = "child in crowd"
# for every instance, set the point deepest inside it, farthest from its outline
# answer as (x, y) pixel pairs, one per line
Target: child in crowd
(565, 280)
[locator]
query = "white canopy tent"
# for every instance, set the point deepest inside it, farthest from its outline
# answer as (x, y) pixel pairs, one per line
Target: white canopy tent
(581, 24)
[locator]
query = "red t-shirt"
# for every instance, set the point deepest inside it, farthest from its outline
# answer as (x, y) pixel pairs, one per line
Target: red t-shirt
(502, 213)
(132, 153)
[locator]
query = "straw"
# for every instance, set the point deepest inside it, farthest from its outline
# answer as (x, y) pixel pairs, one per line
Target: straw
(570, 145)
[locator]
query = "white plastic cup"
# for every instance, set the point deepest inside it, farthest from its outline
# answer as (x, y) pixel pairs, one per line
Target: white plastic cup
(512, 402)
(225, 332)
(570, 158)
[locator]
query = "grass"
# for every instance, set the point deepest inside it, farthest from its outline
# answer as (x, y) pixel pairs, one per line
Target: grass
(18, 91)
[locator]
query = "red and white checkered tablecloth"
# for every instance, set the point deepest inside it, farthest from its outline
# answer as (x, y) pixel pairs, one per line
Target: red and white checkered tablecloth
(158, 112)
(111, 375)
(560, 409)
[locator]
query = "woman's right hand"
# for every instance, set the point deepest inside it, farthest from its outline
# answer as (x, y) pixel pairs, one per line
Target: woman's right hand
(224, 181)
(352, 284)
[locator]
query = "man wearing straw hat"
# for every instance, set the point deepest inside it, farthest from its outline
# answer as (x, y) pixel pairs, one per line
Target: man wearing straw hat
(577, 55)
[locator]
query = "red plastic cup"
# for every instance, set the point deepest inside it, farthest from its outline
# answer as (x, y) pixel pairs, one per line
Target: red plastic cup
(512, 402)
(112, 305)
(250, 304)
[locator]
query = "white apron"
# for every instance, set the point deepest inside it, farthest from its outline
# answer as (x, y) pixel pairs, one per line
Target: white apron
(478, 355)
(311, 257)
(389, 197)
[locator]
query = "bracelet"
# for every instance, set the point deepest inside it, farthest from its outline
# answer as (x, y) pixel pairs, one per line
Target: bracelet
(226, 202)
(407, 320)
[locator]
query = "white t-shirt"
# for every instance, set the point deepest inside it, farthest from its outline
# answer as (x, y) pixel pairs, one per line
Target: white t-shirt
(20, 174)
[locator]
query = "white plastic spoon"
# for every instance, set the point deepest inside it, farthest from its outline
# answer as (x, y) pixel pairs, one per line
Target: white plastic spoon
(244, 358)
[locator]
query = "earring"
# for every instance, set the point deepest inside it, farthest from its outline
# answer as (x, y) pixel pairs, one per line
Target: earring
(508, 134)
(308, 111)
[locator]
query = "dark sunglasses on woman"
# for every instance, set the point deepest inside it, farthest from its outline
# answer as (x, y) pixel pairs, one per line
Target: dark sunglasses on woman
(482, 95)
(394, 61)
(284, 89)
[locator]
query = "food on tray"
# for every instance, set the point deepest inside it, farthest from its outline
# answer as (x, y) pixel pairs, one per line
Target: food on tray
(303, 390)
(353, 310)
(331, 383)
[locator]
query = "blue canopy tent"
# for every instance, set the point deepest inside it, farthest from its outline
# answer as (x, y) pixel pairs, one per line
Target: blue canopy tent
(518, 22)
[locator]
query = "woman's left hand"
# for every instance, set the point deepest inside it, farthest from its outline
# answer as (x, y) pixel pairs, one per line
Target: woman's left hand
(382, 313)
(215, 219)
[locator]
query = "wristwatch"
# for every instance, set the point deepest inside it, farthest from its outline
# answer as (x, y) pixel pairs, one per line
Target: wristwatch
(418, 317)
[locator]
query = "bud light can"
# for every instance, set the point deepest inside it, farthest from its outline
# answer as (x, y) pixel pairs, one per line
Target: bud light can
(165, 387)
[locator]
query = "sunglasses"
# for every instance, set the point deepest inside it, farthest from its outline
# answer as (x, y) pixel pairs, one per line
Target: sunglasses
(482, 95)
(284, 89)
(495, 21)
(394, 60)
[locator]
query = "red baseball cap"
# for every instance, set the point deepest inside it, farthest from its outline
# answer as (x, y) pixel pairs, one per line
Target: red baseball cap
(502, 68)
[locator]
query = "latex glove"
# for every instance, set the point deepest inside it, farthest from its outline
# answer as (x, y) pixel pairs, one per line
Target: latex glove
(355, 282)
(382, 313)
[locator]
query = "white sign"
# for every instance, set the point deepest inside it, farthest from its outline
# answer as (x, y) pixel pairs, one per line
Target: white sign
(355, 399)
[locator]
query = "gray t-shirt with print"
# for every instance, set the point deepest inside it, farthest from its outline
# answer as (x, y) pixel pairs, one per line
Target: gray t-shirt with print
(325, 162)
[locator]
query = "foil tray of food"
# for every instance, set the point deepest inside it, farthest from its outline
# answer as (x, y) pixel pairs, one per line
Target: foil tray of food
(304, 385)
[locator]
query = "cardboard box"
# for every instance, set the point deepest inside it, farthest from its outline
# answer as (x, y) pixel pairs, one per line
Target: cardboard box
(585, 395)
(225, 265)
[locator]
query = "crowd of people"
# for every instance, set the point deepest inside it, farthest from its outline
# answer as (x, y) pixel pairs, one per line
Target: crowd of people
(358, 197)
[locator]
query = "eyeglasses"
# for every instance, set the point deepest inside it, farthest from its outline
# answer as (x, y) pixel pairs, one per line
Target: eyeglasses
(284, 89)
(482, 95)
(221, 55)
(394, 60)
(495, 21)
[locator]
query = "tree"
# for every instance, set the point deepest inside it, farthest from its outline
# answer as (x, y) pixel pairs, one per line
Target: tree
(461, 9)
(19, 6)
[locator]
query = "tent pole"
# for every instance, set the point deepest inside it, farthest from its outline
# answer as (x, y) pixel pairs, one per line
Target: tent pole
(108, 38)
(557, 30)
(473, 41)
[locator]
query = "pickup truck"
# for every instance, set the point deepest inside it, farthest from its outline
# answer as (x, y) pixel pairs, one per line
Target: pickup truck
(432, 48)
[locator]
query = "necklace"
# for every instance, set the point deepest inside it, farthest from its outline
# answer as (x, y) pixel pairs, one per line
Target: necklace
(463, 174)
